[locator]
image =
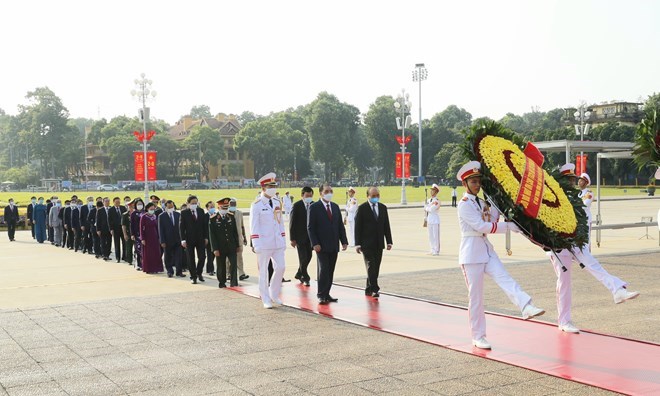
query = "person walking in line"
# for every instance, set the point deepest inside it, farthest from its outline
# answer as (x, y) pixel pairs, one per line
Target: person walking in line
(372, 235)
(433, 220)
(298, 233)
(194, 233)
(11, 218)
(326, 233)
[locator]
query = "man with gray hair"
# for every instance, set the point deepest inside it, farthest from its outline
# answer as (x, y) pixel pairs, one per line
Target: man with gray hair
(242, 240)
(55, 221)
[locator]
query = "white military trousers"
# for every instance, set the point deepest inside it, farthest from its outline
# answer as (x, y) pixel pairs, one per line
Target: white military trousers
(434, 237)
(268, 293)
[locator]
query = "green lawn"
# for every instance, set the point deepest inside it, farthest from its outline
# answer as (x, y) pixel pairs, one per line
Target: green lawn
(390, 194)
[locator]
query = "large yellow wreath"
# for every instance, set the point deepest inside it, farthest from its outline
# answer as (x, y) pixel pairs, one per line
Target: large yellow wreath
(506, 163)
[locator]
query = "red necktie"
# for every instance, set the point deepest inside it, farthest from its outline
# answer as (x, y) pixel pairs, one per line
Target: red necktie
(327, 209)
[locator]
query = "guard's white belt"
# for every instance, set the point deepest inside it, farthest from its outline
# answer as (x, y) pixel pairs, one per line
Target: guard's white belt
(473, 234)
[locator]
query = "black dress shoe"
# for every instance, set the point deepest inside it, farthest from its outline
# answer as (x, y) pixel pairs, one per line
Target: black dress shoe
(170, 275)
(306, 283)
(194, 281)
(285, 280)
(375, 294)
(221, 285)
(211, 273)
(367, 293)
(119, 261)
(332, 299)
(180, 275)
(201, 278)
(323, 301)
(243, 277)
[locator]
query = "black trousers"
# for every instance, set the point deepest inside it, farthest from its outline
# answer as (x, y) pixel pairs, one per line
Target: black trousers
(11, 230)
(70, 237)
(221, 260)
(106, 244)
(51, 236)
(78, 239)
(64, 236)
(453, 201)
(32, 230)
(304, 258)
(191, 248)
(172, 256)
(120, 244)
(372, 259)
(96, 242)
(87, 240)
(209, 259)
(326, 271)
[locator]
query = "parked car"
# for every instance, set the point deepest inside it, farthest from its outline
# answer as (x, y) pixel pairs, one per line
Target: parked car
(134, 187)
(107, 187)
(197, 186)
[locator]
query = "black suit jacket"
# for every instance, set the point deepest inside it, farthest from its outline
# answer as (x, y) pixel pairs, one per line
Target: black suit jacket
(84, 215)
(369, 232)
(168, 232)
(91, 218)
(102, 221)
(75, 218)
(11, 216)
(115, 218)
(193, 230)
(30, 210)
(323, 231)
(66, 216)
(298, 223)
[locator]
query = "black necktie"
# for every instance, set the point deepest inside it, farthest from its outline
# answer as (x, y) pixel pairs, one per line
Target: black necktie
(270, 202)
(172, 217)
(477, 199)
(373, 208)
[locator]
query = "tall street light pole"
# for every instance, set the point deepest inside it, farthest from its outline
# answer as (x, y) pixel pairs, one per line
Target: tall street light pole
(402, 104)
(142, 93)
(582, 115)
(420, 74)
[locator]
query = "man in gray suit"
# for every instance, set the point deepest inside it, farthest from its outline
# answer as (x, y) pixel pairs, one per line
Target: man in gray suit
(55, 221)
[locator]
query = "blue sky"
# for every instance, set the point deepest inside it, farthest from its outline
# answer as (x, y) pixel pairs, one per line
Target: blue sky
(490, 57)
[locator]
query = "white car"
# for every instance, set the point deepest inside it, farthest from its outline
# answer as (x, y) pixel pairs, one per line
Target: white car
(107, 187)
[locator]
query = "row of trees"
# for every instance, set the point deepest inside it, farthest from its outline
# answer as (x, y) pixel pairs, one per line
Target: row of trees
(327, 138)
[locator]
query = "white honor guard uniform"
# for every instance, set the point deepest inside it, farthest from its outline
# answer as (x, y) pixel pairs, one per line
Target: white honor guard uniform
(433, 221)
(268, 240)
(566, 258)
(477, 257)
(587, 199)
(351, 210)
(286, 200)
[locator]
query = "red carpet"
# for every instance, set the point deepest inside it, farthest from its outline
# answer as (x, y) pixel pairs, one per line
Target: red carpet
(608, 362)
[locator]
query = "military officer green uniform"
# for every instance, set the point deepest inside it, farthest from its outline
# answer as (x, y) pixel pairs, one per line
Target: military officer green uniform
(224, 242)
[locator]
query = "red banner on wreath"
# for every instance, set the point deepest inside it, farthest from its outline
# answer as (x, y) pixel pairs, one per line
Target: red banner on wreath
(138, 158)
(581, 164)
(531, 189)
(397, 165)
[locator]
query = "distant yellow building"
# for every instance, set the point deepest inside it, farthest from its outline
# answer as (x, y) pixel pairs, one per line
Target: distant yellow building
(236, 166)
(624, 113)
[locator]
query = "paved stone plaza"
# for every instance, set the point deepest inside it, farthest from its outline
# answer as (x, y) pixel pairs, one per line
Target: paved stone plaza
(73, 325)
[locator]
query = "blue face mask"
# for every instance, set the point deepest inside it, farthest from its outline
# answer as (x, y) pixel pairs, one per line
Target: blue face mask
(232, 208)
(308, 200)
(211, 210)
(374, 199)
(41, 202)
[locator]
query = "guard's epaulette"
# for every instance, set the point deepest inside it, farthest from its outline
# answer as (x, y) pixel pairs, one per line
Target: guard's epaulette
(464, 199)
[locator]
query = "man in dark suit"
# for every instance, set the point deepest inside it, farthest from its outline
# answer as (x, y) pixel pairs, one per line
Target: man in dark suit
(372, 229)
(75, 224)
(103, 228)
(326, 231)
(85, 229)
(91, 218)
(194, 237)
(30, 211)
(11, 218)
(298, 234)
(170, 240)
(66, 220)
(49, 206)
(115, 227)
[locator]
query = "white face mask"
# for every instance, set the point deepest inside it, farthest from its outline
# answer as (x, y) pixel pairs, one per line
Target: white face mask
(271, 192)
(193, 206)
(140, 206)
(151, 211)
(170, 210)
(328, 197)
(308, 200)
(222, 212)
